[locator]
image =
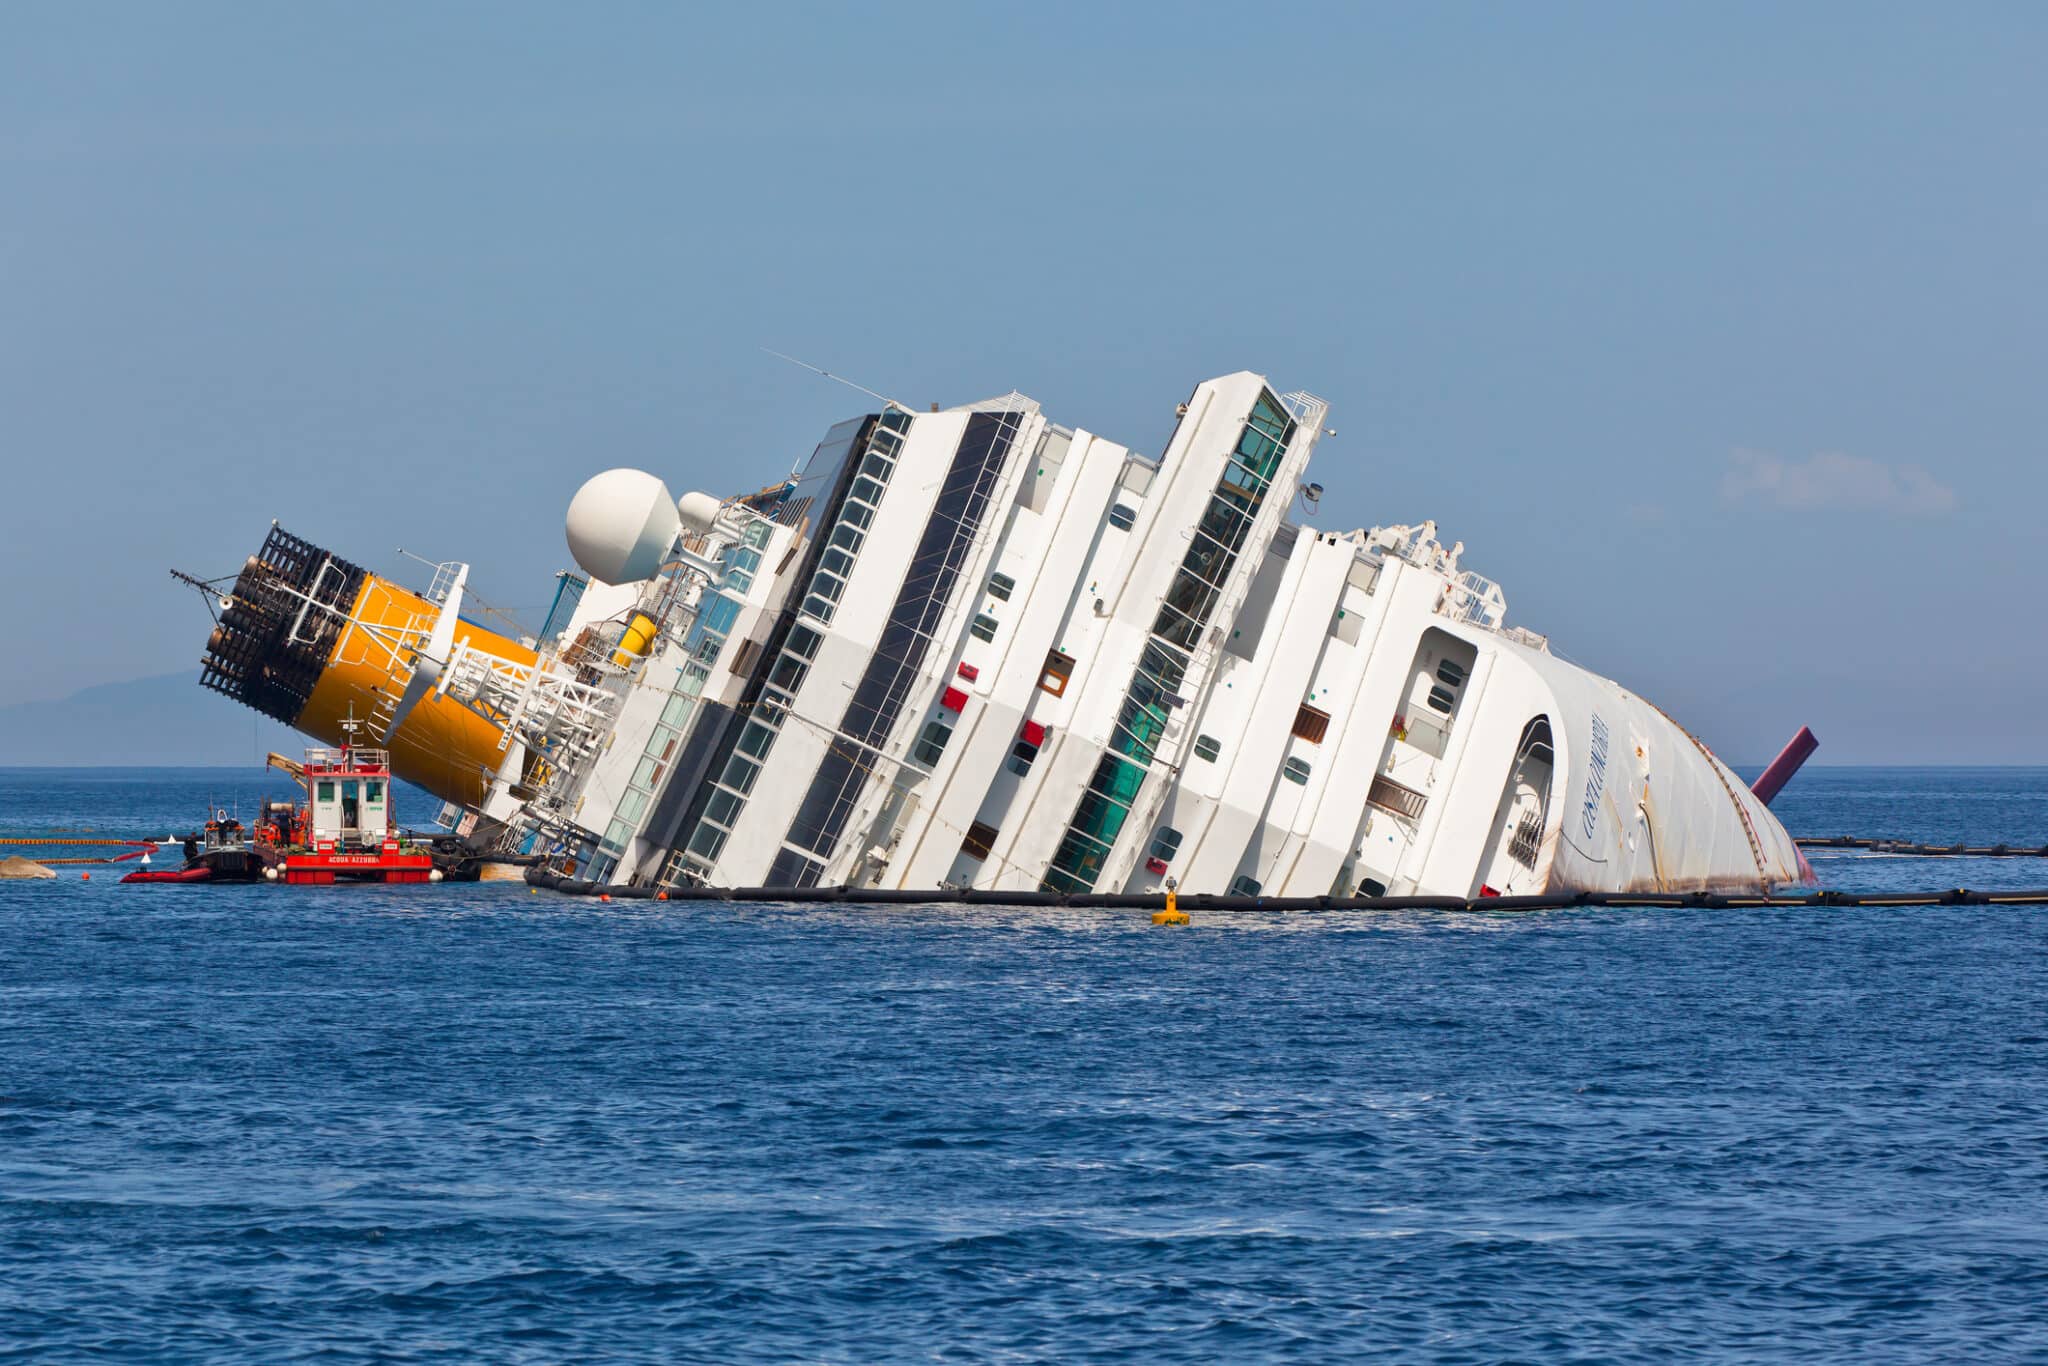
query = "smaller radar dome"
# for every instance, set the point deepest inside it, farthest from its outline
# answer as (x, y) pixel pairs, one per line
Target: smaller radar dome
(698, 511)
(621, 526)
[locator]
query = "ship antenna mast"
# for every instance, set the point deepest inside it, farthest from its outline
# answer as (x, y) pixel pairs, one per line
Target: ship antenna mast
(837, 379)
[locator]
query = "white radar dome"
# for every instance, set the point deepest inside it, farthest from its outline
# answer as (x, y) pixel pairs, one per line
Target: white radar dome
(621, 526)
(699, 511)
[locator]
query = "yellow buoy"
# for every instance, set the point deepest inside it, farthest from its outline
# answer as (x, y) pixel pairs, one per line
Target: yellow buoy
(1172, 914)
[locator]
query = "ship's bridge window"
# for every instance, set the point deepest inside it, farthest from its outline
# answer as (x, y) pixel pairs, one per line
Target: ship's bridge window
(1058, 669)
(1295, 770)
(1122, 517)
(1166, 844)
(1000, 586)
(865, 490)
(1311, 723)
(932, 743)
(983, 627)
(1208, 748)
(1244, 884)
(326, 790)
(373, 791)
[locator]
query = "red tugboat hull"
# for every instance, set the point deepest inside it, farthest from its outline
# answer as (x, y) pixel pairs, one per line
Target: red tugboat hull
(324, 869)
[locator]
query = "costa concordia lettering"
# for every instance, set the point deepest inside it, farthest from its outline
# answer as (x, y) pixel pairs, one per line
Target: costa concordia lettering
(973, 648)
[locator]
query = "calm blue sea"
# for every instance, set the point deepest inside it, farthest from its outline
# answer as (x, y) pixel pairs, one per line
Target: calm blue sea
(452, 1123)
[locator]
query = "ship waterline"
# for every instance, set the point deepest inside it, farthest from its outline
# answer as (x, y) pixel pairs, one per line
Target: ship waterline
(975, 648)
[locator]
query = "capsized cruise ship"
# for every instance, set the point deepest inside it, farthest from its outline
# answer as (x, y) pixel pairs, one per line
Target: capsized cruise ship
(973, 648)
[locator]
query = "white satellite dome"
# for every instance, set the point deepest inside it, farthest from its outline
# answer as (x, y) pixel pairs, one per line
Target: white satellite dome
(621, 526)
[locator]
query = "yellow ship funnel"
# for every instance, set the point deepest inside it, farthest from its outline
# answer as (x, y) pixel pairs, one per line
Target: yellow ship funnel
(314, 666)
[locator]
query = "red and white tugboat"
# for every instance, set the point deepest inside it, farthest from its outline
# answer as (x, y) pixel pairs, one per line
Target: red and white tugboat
(346, 831)
(343, 831)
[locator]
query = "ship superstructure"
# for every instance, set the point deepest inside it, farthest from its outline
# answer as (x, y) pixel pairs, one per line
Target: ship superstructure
(974, 648)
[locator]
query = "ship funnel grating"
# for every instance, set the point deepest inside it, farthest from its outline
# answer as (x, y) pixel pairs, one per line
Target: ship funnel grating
(269, 649)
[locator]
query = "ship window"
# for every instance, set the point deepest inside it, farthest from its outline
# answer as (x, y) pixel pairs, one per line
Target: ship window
(932, 743)
(984, 627)
(326, 791)
(1311, 724)
(847, 538)
(827, 587)
(877, 465)
(1122, 517)
(373, 791)
(1295, 771)
(1244, 884)
(803, 641)
(723, 807)
(707, 842)
(818, 607)
(981, 839)
(1058, 669)
(740, 773)
(756, 535)
(1208, 748)
(720, 614)
(1166, 844)
(1000, 586)
(708, 648)
(789, 673)
(836, 562)
(1442, 699)
(677, 711)
(866, 490)
(857, 514)
(1450, 673)
(756, 740)
(896, 420)
(1021, 757)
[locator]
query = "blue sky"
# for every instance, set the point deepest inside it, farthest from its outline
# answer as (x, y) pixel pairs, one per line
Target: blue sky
(1717, 332)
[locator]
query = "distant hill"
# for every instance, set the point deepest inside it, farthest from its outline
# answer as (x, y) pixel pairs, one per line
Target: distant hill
(167, 720)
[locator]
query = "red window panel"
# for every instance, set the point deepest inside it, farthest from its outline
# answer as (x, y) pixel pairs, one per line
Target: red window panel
(1034, 733)
(954, 700)
(969, 672)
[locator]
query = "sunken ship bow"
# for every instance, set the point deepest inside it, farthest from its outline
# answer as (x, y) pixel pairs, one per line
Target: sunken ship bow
(973, 648)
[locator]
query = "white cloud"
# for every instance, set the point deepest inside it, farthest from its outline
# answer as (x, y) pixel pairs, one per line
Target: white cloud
(1832, 479)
